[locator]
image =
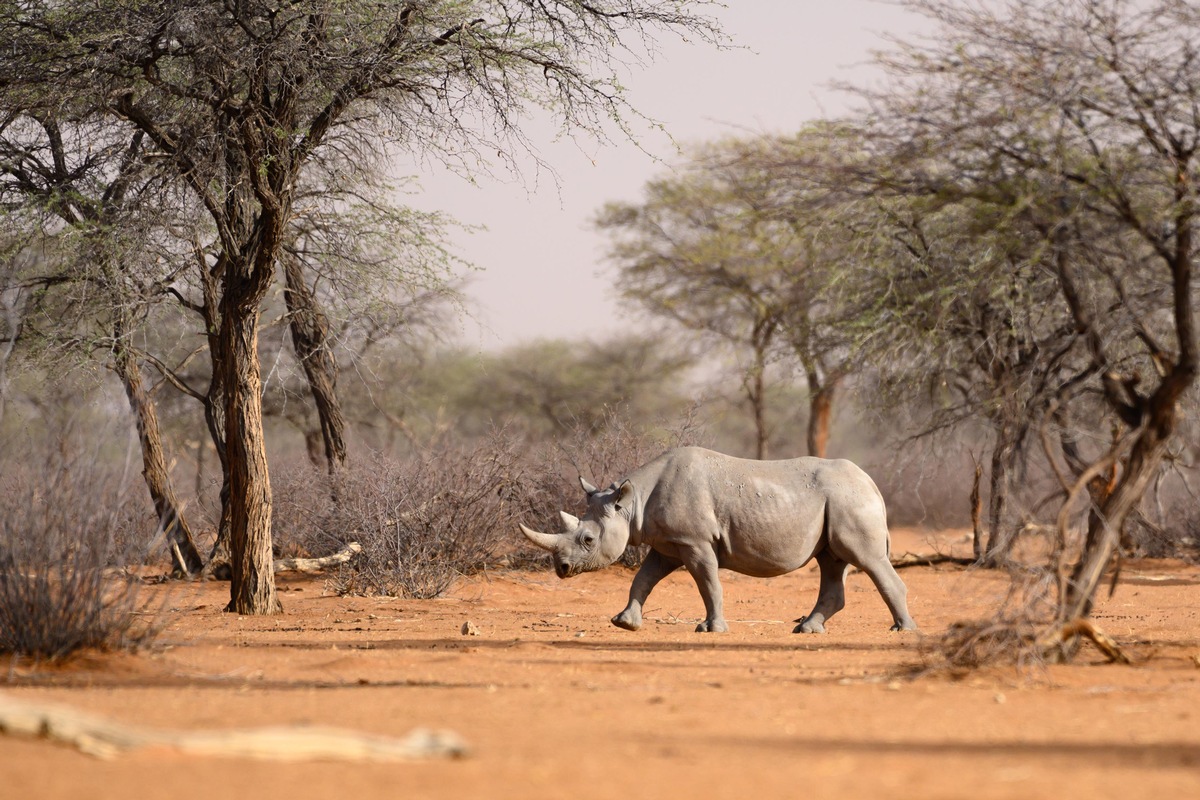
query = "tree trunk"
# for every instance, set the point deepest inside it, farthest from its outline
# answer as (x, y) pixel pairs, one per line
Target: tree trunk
(214, 417)
(13, 302)
(977, 514)
(1104, 528)
(820, 413)
(252, 580)
(1000, 542)
(758, 402)
(180, 544)
(310, 339)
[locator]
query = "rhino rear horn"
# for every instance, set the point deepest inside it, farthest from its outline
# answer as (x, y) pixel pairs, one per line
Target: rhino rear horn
(546, 541)
(587, 487)
(570, 521)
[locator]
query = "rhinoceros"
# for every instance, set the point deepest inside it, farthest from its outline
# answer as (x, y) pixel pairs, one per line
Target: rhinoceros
(703, 510)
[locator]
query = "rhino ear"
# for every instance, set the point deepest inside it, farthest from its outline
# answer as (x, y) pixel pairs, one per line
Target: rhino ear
(625, 494)
(627, 497)
(569, 521)
(587, 487)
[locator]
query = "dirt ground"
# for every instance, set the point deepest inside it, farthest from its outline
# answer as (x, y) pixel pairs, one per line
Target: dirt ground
(554, 702)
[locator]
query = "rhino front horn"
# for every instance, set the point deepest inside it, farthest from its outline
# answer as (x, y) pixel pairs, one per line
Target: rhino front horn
(546, 541)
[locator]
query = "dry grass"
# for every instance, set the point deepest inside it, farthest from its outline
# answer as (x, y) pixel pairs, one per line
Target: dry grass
(68, 546)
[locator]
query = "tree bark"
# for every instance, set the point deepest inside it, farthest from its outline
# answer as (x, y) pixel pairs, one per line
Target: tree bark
(756, 391)
(310, 339)
(1104, 528)
(1000, 543)
(180, 545)
(252, 580)
(214, 415)
(820, 414)
(977, 514)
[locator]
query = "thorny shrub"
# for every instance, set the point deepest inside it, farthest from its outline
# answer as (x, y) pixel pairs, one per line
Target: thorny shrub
(421, 522)
(68, 546)
(1010, 635)
(451, 509)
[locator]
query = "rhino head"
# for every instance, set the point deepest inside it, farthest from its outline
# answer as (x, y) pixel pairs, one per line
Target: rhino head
(599, 538)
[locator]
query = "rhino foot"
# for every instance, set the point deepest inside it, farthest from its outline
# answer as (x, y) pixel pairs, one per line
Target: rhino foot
(809, 625)
(712, 626)
(627, 621)
(904, 626)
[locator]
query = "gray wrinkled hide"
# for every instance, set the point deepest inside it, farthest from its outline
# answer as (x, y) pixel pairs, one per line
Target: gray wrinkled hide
(702, 510)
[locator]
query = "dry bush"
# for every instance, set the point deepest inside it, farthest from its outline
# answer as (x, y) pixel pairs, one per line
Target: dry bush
(453, 508)
(1010, 636)
(67, 546)
(422, 522)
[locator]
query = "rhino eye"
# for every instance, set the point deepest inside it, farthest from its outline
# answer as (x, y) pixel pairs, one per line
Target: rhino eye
(589, 540)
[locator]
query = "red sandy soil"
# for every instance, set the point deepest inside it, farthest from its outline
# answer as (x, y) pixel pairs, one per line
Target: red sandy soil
(555, 702)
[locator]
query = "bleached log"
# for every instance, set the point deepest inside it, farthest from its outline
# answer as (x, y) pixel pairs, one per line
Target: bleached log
(105, 738)
(318, 564)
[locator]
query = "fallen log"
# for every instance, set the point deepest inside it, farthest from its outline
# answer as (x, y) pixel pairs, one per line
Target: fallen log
(318, 564)
(914, 560)
(104, 738)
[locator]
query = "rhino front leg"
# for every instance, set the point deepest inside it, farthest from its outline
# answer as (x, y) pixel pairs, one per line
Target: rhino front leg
(653, 569)
(702, 564)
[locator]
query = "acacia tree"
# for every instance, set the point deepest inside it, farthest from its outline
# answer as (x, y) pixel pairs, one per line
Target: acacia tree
(88, 187)
(237, 98)
(1092, 103)
(358, 270)
(700, 252)
(811, 183)
(560, 388)
(745, 244)
(966, 312)
(360, 273)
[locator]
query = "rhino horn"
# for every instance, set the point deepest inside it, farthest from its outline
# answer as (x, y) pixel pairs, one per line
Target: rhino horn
(569, 521)
(587, 487)
(546, 541)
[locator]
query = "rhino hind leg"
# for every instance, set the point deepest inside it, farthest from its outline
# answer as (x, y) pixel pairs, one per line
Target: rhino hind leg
(831, 598)
(893, 591)
(653, 569)
(864, 543)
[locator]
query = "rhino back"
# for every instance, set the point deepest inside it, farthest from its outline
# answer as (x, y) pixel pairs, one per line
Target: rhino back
(764, 517)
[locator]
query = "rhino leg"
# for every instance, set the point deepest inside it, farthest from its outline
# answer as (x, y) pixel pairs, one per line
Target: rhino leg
(831, 598)
(701, 563)
(862, 539)
(893, 590)
(653, 569)
(890, 586)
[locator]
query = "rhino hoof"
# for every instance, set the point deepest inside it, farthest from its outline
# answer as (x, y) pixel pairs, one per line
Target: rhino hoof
(621, 621)
(712, 626)
(808, 626)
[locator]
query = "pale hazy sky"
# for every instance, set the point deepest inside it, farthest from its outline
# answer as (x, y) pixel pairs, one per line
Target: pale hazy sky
(541, 268)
